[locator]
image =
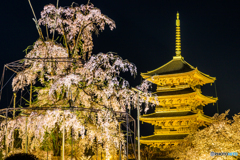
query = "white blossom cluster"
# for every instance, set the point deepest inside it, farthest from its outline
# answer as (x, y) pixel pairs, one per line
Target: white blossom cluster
(45, 60)
(98, 84)
(73, 22)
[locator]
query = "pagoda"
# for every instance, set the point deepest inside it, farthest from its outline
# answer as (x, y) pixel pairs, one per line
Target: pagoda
(179, 102)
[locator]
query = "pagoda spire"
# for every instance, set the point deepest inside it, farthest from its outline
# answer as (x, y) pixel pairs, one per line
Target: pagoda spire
(178, 37)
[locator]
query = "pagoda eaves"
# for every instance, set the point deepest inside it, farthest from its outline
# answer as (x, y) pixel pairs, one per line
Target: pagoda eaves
(158, 118)
(163, 141)
(194, 98)
(176, 72)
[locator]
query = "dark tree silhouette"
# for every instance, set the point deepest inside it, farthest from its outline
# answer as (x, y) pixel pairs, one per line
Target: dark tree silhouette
(22, 156)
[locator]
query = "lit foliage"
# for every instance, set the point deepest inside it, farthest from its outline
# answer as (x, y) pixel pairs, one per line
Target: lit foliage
(70, 76)
(40, 126)
(221, 136)
(76, 24)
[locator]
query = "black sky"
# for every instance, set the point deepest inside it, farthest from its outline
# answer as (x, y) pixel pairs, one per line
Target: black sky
(145, 35)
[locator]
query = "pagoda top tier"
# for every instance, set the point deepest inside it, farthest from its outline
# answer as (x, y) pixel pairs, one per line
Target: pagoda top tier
(175, 66)
(177, 72)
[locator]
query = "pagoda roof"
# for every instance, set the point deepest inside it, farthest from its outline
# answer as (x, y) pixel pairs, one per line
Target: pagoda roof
(176, 92)
(187, 93)
(158, 138)
(175, 115)
(169, 114)
(176, 65)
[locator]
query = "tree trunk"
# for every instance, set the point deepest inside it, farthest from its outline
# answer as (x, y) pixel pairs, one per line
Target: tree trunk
(57, 141)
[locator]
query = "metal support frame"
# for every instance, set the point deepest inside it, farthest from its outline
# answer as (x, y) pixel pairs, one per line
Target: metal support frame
(127, 135)
(21, 65)
(6, 146)
(138, 122)
(26, 142)
(30, 101)
(63, 139)
(72, 145)
(120, 146)
(14, 103)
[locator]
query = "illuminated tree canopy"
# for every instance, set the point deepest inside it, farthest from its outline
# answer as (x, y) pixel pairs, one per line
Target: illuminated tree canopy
(221, 136)
(69, 75)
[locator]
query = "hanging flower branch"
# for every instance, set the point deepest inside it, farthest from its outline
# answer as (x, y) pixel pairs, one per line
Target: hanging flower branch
(39, 127)
(76, 24)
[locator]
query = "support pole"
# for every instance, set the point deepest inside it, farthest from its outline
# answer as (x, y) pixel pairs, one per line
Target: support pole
(72, 134)
(135, 139)
(6, 146)
(30, 102)
(14, 104)
(72, 145)
(26, 142)
(127, 135)
(120, 146)
(63, 139)
(13, 139)
(134, 146)
(138, 114)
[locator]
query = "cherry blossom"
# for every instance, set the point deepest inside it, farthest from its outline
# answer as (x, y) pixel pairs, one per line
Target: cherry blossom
(221, 136)
(69, 78)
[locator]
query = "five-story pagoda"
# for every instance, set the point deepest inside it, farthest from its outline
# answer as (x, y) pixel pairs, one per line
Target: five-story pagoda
(179, 105)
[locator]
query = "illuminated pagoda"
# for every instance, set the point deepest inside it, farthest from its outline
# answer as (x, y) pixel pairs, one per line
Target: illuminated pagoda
(179, 103)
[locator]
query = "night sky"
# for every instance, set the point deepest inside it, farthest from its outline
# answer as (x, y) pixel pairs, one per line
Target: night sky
(145, 35)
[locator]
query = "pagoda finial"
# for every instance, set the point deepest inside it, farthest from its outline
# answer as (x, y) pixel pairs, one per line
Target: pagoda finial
(178, 37)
